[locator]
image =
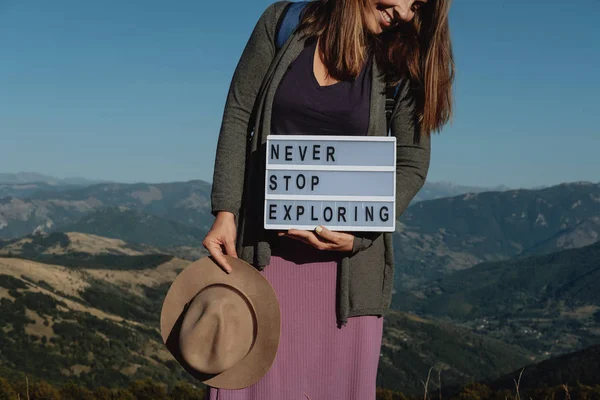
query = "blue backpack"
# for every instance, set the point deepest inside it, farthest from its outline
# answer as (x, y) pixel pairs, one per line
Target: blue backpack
(289, 20)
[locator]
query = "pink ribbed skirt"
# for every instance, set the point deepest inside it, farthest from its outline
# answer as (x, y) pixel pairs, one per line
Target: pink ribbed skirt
(315, 360)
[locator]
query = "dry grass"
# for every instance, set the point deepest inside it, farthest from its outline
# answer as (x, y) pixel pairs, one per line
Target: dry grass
(27, 386)
(157, 349)
(38, 328)
(84, 243)
(76, 370)
(517, 385)
(15, 247)
(580, 312)
(130, 370)
(71, 282)
(64, 280)
(93, 244)
(4, 294)
(134, 280)
(426, 395)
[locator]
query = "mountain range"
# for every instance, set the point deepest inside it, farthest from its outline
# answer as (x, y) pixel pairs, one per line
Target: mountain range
(187, 203)
(23, 184)
(434, 238)
(80, 306)
(26, 177)
(509, 274)
(177, 212)
(549, 304)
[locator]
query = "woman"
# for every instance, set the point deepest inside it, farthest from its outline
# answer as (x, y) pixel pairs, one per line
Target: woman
(329, 78)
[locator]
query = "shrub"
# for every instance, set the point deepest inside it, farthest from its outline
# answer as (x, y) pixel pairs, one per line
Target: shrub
(103, 393)
(183, 391)
(42, 390)
(6, 390)
(148, 390)
(71, 391)
(387, 394)
(10, 282)
(474, 391)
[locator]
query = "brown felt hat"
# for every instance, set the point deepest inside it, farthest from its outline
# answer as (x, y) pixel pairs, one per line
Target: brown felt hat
(222, 328)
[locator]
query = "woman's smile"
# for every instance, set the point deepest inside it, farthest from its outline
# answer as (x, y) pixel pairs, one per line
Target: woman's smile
(386, 19)
(389, 13)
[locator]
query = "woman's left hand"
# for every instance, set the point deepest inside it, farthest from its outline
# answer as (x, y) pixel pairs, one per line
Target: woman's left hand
(322, 238)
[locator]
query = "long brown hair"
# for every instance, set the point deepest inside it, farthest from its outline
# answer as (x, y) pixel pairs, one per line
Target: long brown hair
(420, 50)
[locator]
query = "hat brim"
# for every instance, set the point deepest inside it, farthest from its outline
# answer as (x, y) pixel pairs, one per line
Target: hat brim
(263, 299)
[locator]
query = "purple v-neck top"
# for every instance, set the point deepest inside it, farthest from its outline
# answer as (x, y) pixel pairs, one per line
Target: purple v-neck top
(302, 107)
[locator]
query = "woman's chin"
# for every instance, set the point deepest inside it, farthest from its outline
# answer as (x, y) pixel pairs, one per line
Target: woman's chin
(376, 29)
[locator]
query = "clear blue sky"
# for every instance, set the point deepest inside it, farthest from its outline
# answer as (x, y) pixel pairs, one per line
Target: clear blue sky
(134, 90)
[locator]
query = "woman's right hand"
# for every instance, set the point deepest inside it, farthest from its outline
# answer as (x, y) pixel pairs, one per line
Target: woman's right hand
(222, 236)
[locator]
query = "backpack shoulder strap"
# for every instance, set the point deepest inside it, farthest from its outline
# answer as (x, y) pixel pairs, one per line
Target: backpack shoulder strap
(289, 20)
(391, 94)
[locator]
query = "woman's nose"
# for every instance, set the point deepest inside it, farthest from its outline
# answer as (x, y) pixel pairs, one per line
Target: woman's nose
(404, 12)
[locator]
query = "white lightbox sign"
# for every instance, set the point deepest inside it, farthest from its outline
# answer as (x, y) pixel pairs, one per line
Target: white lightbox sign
(345, 183)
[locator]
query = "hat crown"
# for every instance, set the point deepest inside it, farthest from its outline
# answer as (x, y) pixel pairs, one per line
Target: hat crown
(259, 326)
(218, 329)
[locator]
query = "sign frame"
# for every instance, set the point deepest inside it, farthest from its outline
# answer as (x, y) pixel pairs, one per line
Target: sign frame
(295, 166)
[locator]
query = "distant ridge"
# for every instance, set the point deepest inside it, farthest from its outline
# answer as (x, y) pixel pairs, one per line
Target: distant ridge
(187, 203)
(436, 237)
(35, 177)
(438, 190)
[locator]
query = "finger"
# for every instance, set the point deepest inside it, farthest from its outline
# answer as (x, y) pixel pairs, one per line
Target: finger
(342, 241)
(299, 233)
(326, 234)
(230, 248)
(215, 251)
(298, 238)
(311, 238)
(308, 234)
(295, 236)
(222, 261)
(336, 239)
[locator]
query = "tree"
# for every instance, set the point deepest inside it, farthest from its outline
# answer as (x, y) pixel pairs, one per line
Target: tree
(474, 391)
(103, 393)
(384, 394)
(42, 390)
(148, 390)
(71, 391)
(6, 390)
(387, 394)
(184, 391)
